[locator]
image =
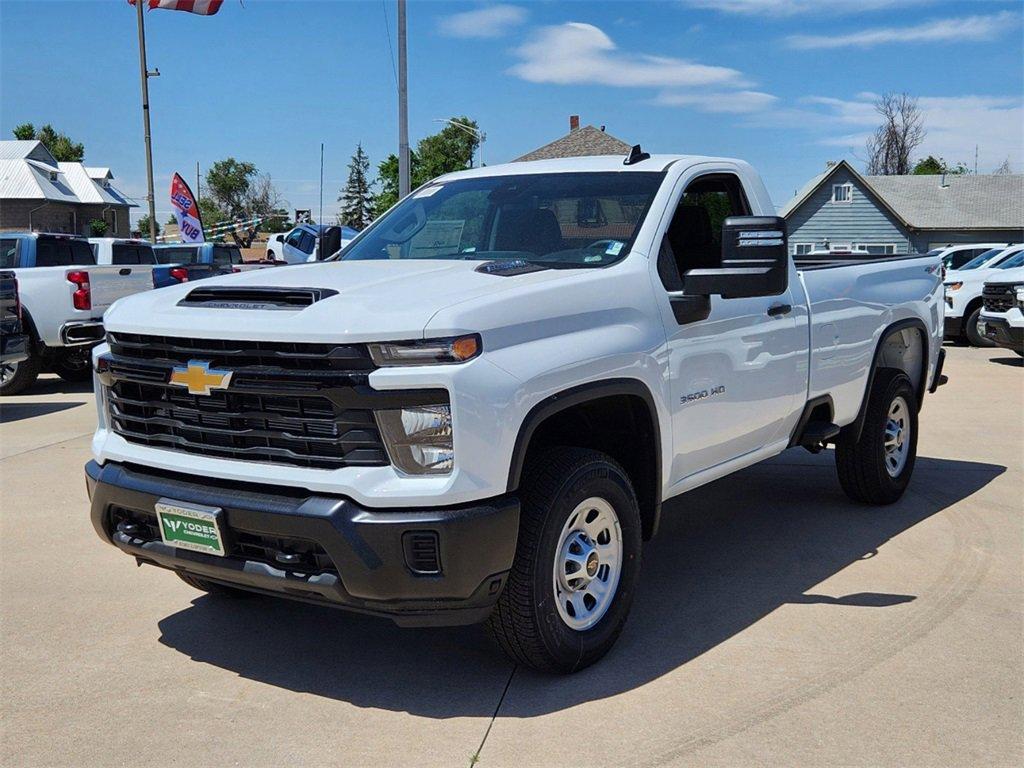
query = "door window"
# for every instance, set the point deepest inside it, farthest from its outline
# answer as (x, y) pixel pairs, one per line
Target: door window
(694, 236)
(294, 238)
(8, 253)
(307, 243)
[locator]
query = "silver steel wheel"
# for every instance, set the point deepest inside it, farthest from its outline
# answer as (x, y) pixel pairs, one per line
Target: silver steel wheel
(7, 372)
(897, 437)
(588, 563)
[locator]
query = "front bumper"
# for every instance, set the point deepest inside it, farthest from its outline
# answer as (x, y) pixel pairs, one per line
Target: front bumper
(952, 327)
(13, 347)
(1000, 332)
(370, 553)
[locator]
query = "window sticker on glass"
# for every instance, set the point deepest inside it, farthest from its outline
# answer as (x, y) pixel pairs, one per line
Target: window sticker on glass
(614, 248)
(429, 191)
(590, 259)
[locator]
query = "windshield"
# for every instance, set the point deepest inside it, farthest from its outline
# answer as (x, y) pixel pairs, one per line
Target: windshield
(1015, 260)
(980, 259)
(559, 219)
(185, 255)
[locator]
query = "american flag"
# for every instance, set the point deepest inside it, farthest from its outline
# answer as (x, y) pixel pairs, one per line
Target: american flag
(202, 7)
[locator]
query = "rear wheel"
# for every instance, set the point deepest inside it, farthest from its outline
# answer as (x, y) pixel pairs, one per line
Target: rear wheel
(15, 378)
(576, 566)
(971, 330)
(73, 363)
(212, 587)
(876, 469)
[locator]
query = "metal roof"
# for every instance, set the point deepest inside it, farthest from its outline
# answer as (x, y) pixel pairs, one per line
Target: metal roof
(967, 201)
(22, 180)
(88, 190)
(581, 142)
(14, 149)
(29, 172)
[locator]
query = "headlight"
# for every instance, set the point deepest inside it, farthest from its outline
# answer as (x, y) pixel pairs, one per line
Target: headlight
(1020, 297)
(950, 287)
(419, 440)
(457, 349)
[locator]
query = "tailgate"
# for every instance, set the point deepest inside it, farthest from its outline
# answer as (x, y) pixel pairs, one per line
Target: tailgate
(108, 284)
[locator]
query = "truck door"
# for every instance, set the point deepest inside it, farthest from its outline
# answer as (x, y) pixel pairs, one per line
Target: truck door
(739, 372)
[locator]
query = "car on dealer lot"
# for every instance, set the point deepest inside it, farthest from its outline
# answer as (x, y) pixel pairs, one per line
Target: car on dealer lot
(963, 289)
(477, 411)
(63, 294)
(202, 260)
(956, 256)
(1002, 316)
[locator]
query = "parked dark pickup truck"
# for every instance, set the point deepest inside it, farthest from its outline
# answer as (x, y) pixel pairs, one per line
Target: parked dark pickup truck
(13, 339)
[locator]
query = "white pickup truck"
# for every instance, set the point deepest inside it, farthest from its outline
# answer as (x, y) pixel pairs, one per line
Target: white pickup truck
(477, 411)
(63, 296)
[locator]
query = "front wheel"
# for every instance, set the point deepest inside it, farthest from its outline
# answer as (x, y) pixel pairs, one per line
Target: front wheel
(876, 469)
(576, 566)
(971, 331)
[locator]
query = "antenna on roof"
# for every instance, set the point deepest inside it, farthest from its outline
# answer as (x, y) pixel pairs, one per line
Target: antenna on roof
(636, 155)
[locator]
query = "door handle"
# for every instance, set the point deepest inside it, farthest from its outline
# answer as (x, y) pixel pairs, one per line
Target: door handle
(778, 310)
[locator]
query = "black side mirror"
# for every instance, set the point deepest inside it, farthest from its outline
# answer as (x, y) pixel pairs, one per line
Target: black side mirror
(755, 261)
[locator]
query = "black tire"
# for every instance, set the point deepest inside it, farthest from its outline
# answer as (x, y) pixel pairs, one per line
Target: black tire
(212, 587)
(17, 377)
(974, 338)
(73, 364)
(861, 465)
(526, 623)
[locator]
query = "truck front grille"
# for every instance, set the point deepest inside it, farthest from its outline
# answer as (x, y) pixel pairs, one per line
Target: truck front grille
(998, 298)
(305, 405)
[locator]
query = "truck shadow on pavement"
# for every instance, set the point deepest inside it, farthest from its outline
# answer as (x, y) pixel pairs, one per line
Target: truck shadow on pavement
(727, 555)
(11, 412)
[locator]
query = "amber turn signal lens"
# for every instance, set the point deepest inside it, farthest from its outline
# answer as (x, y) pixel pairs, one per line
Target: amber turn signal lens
(465, 347)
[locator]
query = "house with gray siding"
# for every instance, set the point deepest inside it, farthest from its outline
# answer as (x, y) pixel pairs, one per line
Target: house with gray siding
(903, 214)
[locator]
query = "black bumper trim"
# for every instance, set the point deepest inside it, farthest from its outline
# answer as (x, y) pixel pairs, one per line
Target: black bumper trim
(477, 544)
(999, 331)
(952, 327)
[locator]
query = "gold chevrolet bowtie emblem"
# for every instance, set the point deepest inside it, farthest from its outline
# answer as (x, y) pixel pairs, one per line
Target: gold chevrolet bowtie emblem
(198, 377)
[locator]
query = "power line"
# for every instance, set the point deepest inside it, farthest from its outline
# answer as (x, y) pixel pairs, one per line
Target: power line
(387, 33)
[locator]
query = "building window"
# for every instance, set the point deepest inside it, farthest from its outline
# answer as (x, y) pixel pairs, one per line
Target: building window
(802, 249)
(842, 193)
(877, 249)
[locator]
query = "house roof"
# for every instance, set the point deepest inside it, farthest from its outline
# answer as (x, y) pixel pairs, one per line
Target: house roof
(581, 142)
(29, 172)
(937, 202)
(88, 190)
(962, 202)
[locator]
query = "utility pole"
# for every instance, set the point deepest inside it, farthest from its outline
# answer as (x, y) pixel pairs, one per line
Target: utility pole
(320, 222)
(403, 107)
(198, 191)
(144, 71)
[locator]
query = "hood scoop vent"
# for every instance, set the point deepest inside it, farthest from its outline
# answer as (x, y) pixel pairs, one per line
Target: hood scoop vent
(232, 297)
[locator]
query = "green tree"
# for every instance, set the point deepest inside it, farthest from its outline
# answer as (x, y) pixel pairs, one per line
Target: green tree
(63, 149)
(238, 191)
(450, 149)
(143, 224)
(933, 166)
(356, 199)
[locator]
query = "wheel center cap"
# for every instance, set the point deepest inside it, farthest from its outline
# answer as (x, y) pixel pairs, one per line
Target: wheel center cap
(593, 563)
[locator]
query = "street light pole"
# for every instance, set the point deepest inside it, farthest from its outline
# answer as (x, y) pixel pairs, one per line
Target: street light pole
(144, 71)
(403, 107)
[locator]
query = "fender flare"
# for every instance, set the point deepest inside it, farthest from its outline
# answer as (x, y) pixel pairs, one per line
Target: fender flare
(853, 431)
(577, 395)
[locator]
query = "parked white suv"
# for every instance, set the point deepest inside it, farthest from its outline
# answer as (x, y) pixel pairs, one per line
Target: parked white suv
(476, 413)
(1002, 318)
(963, 293)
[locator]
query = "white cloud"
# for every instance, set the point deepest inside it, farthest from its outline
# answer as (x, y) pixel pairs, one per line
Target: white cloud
(492, 21)
(955, 124)
(794, 7)
(732, 102)
(968, 28)
(577, 53)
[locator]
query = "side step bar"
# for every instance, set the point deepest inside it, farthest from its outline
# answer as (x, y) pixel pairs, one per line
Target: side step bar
(817, 434)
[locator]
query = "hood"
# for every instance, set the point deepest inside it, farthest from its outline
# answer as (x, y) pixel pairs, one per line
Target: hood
(976, 275)
(358, 301)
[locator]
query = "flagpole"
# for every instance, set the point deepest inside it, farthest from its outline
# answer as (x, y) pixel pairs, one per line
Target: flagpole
(403, 107)
(144, 71)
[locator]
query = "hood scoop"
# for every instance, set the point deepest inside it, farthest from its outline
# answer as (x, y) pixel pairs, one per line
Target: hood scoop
(255, 297)
(509, 267)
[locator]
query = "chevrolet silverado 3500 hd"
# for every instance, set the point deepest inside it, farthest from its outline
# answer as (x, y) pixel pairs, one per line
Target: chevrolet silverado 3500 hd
(476, 413)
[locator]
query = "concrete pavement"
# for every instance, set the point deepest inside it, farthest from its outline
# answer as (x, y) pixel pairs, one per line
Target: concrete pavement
(777, 623)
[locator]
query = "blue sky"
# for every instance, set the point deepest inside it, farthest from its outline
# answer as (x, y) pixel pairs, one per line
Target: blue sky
(785, 84)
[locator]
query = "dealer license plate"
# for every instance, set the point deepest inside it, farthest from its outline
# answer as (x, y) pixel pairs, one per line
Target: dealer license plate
(190, 526)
